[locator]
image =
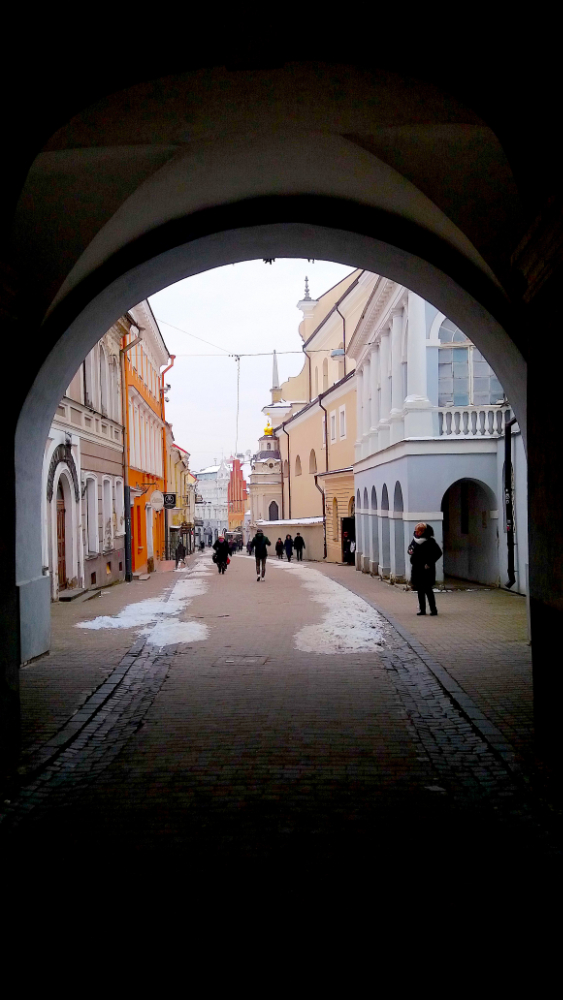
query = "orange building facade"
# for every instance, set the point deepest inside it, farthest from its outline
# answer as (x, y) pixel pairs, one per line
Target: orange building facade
(237, 496)
(146, 443)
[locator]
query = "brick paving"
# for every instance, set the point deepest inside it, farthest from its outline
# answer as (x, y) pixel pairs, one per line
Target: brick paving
(242, 749)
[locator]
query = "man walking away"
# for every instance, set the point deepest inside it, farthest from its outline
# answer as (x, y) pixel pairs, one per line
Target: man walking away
(221, 547)
(180, 554)
(299, 545)
(259, 544)
(424, 552)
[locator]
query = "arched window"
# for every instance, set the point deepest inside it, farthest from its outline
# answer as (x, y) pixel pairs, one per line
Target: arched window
(107, 526)
(285, 469)
(351, 507)
(89, 379)
(119, 508)
(335, 519)
(312, 461)
(298, 466)
(384, 498)
(398, 497)
(273, 511)
(341, 361)
(373, 498)
(316, 381)
(325, 374)
(366, 502)
(358, 501)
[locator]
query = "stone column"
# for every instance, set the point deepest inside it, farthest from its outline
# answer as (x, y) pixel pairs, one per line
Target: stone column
(383, 426)
(397, 395)
(374, 373)
(418, 419)
(366, 409)
(359, 412)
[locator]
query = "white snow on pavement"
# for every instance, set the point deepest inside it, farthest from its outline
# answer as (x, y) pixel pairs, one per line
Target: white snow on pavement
(157, 617)
(350, 624)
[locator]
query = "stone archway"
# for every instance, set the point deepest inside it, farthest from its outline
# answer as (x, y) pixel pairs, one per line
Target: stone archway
(470, 533)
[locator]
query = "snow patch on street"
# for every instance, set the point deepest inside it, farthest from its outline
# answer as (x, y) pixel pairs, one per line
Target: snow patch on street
(158, 617)
(350, 624)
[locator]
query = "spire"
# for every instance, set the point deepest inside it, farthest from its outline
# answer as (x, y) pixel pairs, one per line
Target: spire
(307, 304)
(306, 297)
(276, 388)
(275, 376)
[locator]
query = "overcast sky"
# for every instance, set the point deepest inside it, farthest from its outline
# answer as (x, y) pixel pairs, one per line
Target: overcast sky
(246, 308)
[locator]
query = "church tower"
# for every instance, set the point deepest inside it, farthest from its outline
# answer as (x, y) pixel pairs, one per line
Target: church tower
(276, 387)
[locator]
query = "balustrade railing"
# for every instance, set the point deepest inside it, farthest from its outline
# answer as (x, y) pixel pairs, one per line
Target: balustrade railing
(473, 421)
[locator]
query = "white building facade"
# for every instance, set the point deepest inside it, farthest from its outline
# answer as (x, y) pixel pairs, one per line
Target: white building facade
(431, 416)
(212, 514)
(83, 501)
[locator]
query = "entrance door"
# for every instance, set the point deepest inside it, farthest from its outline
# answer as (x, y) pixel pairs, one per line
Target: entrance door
(61, 547)
(348, 536)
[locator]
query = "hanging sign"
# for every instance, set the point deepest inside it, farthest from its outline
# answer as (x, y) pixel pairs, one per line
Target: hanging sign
(169, 501)
(157, 500)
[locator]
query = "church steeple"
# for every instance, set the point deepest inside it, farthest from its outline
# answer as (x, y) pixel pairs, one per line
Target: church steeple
(276, 388)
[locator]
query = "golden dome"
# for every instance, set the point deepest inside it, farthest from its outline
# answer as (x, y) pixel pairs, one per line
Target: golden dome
(268, 430)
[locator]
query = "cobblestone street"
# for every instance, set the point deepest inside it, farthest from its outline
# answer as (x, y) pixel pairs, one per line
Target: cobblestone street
(284, 723)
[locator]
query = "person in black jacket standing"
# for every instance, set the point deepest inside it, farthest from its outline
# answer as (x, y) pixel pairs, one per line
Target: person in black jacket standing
(424, 552)
(299, 545)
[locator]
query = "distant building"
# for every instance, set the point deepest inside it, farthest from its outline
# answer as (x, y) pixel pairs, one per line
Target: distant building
(265, 487)
(213, 511)
(237, 496)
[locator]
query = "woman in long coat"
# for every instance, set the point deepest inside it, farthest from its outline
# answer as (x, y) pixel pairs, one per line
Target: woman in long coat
(279, 548)
(424, 552)
(288, 546)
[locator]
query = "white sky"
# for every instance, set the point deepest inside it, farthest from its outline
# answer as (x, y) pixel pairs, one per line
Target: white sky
(243, 307)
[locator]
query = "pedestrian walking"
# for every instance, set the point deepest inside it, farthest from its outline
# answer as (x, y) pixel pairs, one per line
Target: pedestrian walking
(180, 554)
(299, 545)
(424, 552)
(221, 556)
(279, 548)
(288, 546)
(259, 545)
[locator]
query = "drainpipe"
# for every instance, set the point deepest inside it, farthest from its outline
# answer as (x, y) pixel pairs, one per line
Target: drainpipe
(288, 472)
(126, 490)
(508, 500)
(322, 492)
(162, 374)
(343, 318)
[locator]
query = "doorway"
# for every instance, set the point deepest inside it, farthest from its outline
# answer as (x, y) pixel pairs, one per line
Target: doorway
(348, 535)
(61, 539)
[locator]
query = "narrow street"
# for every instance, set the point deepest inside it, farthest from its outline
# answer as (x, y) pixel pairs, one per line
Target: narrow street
(284, 723)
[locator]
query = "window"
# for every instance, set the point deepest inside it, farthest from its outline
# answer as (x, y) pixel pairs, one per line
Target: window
(312, 461)
(92, 515)
(333, 427)
(107, 527)
(325, 374)
(464, 377)
(324, 432)
(342, 415)
(298, 466)
(119, 508)
(316, 381)
(273, 511)
(285, 469)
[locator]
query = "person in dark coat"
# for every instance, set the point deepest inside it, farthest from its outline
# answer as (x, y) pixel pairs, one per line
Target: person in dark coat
(279, 548)
(221, 547)
(180, 554)
(259, 545)
(288, 546)
(424, 552)
(299, 545)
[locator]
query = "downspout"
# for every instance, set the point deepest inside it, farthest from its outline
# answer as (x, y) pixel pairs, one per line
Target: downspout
(308, 356)
(508, 500)
(126, 491)
(326, 470)
(283, 491)
(288, 472)
(162, 374)
(343, 335)
(322, 492)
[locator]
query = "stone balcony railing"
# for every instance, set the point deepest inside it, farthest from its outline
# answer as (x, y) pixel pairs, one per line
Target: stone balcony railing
(473, 421)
